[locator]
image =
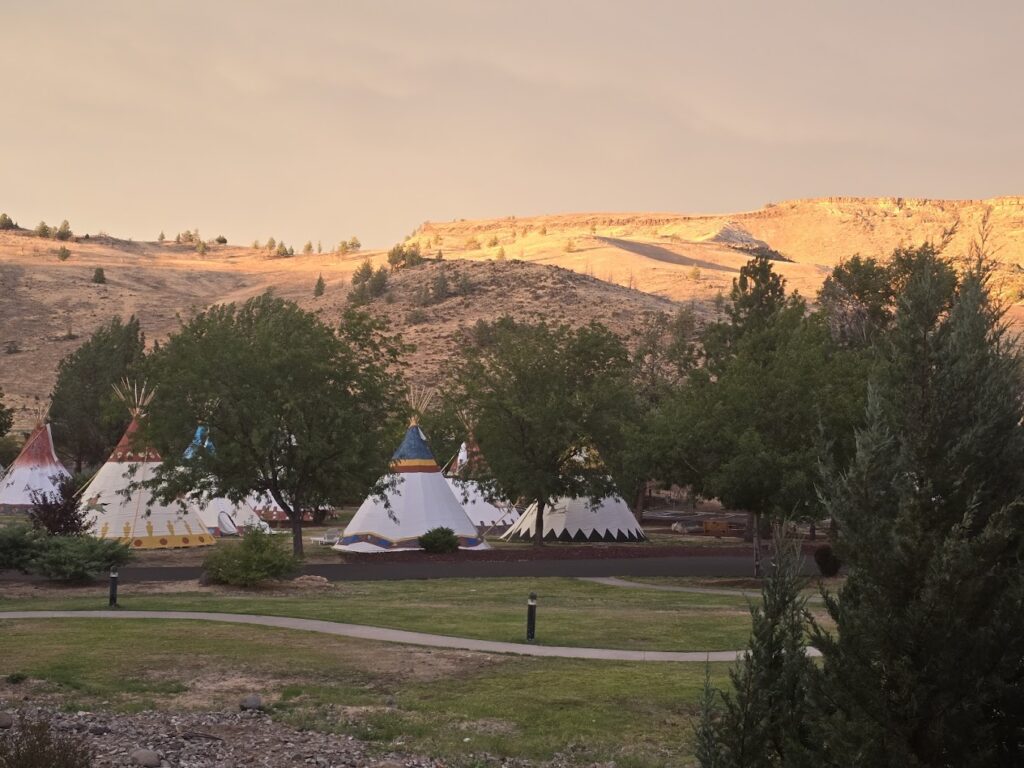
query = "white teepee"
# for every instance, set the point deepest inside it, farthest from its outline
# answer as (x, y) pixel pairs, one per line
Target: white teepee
(485, 514)
(420, 501)
(571, 519)
(37, 469)
(126, 511)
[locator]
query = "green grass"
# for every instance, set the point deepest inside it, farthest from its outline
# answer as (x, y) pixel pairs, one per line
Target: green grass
(447, 704)
(570, 612)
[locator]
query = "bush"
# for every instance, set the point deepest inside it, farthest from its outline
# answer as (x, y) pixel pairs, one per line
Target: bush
(257, 558)
(34, 744)
(415, 317)
(78, 558)
(221, 240)
(318, 289)
(15, 678)
(99, 276)
(440, 541)
(60, 513)
(63, 253)
(826, 560)
(19, 544)
(43, 230)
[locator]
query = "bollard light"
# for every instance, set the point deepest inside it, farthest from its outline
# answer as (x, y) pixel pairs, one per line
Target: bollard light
(113, 587)
(531, 617)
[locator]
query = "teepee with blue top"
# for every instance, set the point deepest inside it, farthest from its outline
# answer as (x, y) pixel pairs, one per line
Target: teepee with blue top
(418, 500)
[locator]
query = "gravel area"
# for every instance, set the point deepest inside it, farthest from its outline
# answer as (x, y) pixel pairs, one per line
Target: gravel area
(224, 739)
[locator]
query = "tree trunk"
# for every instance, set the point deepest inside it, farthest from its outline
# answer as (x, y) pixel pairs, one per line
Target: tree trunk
(538, 536)
(641, 503)
(748, 533)
(297, 533)
(757, 547)
(813, 532)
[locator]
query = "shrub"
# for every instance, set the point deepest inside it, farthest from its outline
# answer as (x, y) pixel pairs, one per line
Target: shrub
(415, 317)
(826, 560)
(12, 347)
(471, 244)
(493, 242)
(200, 247)
(19, 545)
(59, 513)
(405, 256)
(42, 230)
(257, 558)
(16, 677)
(63, 253)
(78, 558)
(318, 289)
(99, 276)
(63, 231)
(34, 744)
(221, 240)
(439, 541)
(570, 246)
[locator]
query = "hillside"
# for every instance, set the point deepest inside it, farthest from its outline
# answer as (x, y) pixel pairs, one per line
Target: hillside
(658, 252)
(48, 306)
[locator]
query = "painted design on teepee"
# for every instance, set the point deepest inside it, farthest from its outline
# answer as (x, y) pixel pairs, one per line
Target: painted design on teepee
(36, 470)
(122, 503)
(419, 500)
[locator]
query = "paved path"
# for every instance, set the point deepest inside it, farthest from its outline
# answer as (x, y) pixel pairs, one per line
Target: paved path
(750, 594)
(364, 632)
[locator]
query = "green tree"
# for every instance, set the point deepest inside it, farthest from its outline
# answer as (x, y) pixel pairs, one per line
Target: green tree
(271, 244)
(200, 247)
(99, 276)
(404, 256)
(353, 244)
(545, 401)
(307, 249)
(767, 719)
(43, 229)
(6, 222)
(63, 231)
(161, 237)
(858, 300)
(87, 419)
(299, 410)
(318, 289)
(924, 667)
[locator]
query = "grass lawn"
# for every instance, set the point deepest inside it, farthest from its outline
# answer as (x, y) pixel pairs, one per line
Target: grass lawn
(570, 612)
(445, 703)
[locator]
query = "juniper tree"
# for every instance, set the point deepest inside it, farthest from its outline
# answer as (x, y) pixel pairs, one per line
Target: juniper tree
(926, 664)
(766, 721)
(318, 289)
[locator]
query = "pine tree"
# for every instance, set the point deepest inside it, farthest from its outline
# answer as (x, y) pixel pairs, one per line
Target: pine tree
(307, 248)
(925, 668)
(161, 237)
(318, 289)
(767, 719)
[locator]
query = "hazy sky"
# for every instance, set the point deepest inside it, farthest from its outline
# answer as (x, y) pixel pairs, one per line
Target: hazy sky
(325, 119)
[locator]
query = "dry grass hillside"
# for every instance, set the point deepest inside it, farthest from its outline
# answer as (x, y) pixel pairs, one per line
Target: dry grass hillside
(686, 257)
(49, 306)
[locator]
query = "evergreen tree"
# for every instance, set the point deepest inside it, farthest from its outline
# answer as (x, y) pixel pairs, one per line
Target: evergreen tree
(766, 721)
(161, 237)
(926, 666)
(99, 276)
(307, 249)
(63, 231)
(6, 222)
(318, 289)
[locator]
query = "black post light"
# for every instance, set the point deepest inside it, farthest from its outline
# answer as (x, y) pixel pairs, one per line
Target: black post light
(531, 617)
(113, 587)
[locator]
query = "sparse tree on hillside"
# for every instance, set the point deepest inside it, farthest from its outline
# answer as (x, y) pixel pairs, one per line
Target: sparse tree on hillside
(87, 419)
(200, 247)
(343, 248)
(570, 246)
(6, 416)
(319, 248)
(99, 276)
(318, 289)
(43, 229)
(271, 244)
(354, 244)
(255, 245)
(221, 240)
(161, 237)
(177, 238)
(63, 231)
(225, 369)
(6, 222)
(543, 399)
(404, 256)
(307, 249)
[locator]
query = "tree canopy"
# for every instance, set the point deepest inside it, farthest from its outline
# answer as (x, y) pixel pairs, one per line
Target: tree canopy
(545, 405)
(296, 409)
(87, 418)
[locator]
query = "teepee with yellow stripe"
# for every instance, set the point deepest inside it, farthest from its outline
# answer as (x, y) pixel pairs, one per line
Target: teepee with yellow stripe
(124, 510)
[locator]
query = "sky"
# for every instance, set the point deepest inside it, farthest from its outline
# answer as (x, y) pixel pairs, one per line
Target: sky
(323, 120)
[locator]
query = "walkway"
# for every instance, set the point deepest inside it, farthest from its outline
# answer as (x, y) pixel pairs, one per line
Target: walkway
(611, 581)
(363, 632)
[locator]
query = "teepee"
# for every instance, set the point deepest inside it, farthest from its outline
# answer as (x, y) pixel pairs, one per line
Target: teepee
(129, 512)
(36, 470)
(486, 515)
(419, 501)
(570, 519)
